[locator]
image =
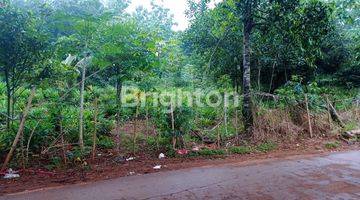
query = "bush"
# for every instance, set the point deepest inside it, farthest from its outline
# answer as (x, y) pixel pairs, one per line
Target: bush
(266, 147)
(240, 150)
(76, 154)
(294, 92)
(155, 143)
(211, 152)
(106, 142)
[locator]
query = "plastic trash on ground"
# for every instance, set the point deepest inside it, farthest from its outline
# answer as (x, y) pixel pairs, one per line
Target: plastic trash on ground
(157, 167)
(196, 148)
(11, 174)
(130, 159)
(182, 152)
(161, 156)
(120, 159)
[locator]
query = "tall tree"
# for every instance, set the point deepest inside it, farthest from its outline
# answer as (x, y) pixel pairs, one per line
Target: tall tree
(22, 47)
(247, 7)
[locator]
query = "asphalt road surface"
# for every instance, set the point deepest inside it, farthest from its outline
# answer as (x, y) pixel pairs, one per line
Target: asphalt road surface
(334, 176)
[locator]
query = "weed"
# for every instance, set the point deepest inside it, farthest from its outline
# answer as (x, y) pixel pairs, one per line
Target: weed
(106, 142)
(267, 146)
(240, 150)
(332, 145)
(209, 152)
(350, 126)
(55, 162)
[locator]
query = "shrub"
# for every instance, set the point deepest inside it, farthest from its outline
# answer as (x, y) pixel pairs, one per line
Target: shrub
(240, 150)
(55, 162)
(267, 146)
(106, 142)
(77, 153)
(211, 152)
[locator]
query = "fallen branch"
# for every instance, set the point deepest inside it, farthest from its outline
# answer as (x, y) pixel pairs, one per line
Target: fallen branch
(351, 134)
(334, 115)
(58, 146)
(20, 130)
(214, 127)
(53, 143)
(267, 95)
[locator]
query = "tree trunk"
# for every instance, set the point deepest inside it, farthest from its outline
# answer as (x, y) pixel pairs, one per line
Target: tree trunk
(135, 129)
(308, 116)
(225, 118)
(259, 78)
(173, 125)
(63, 147)
(247, 102)
(272, 77)
(118, 109)
(147, 122)
(236, 121)
(20, 130)
(81, 117)
(8, 99)
(22, 149)
(95, 129)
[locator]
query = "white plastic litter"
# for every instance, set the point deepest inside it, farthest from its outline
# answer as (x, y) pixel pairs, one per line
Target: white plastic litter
(11, 174)
(131, 173)
(196, 149)
(161, 156)
(157, 167)
(130, 159)
(228, 144)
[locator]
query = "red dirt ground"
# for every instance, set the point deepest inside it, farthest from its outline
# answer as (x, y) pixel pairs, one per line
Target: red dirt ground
(104, 168)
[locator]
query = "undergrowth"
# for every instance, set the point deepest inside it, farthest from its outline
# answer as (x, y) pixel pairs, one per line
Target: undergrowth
(240, 150)
(267, 146)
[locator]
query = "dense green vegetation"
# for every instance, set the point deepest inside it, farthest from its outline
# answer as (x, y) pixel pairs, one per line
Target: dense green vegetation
(79, 57)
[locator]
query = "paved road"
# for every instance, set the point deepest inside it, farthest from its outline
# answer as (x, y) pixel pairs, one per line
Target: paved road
(335, 176)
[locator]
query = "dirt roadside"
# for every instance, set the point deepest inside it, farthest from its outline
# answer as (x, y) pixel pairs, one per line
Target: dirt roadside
(105, 168)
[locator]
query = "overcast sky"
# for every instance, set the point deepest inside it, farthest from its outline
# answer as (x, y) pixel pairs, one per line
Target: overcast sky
(177, 8)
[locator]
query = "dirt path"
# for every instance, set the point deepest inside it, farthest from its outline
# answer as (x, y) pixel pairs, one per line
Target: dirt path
(333, 176)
